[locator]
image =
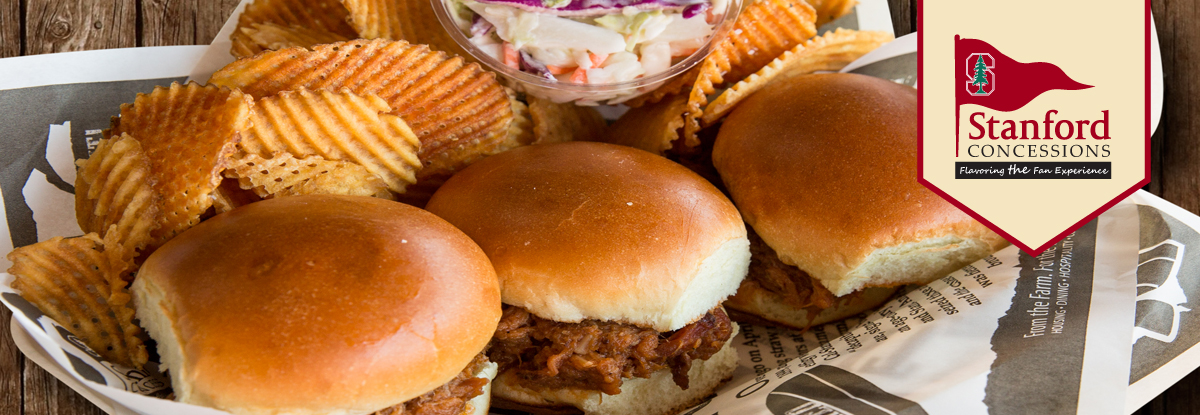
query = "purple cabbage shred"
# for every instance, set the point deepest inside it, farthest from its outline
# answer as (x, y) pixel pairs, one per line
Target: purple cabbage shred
(481, 26)
(530, 65)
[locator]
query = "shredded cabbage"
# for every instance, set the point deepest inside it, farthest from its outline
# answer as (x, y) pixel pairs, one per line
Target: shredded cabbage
(656, 57)
(620, 67)
(636, 26)
(548, 31)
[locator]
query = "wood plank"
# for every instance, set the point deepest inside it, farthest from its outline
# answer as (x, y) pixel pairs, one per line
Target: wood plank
(1154, 407)
(1183, 398)
(212, 15)
(1180, 145)
(10, 368)
(904, 15)
(183, 22)
(70, 25)
(45, 395)
(1157, 141)
(10, 29)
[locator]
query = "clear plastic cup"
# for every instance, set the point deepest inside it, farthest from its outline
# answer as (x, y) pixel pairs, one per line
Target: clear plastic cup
(588, 94)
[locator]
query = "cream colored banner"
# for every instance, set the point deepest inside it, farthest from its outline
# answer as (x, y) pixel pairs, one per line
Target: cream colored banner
(1095, 43)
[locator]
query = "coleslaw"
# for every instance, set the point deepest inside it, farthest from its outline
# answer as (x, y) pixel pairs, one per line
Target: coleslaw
(588, 42)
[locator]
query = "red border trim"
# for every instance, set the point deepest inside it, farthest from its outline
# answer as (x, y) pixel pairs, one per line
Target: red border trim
(921, 142)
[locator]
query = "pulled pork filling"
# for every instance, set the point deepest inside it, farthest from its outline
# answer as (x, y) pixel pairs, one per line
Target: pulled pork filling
(448, 399)
(797, 288)
(596, 355)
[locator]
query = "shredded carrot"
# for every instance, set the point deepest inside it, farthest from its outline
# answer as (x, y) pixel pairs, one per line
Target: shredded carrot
(511, 57)
(597, 59)
(709, 17)
(559, 70)
(579, 76)
(686, 52)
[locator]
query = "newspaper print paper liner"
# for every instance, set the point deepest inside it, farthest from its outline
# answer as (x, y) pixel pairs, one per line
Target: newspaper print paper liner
(893, 359)
(46, 344)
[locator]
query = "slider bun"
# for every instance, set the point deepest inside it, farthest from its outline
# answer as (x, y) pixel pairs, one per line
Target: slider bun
(317, 305)
(756, 305)
(824, 167)
(599, 231)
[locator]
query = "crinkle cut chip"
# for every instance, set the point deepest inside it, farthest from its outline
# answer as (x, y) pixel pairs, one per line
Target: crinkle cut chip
(336, 126)
(258, 37)
(328, 16)
(413, 21)
(556, 123)
(652, 128)
(829, 52)
(115, 189)
(79, 285)
(458, 111)
(764, 30)
(669, 88)
(830, 10)
(285, 175)
(188, 133)
(520, 131)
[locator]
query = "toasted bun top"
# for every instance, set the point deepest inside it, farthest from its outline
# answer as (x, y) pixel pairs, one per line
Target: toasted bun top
(599, 231)
(317, 305)
(824, 167)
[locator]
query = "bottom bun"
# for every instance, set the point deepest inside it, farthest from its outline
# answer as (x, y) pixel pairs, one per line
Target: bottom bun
(656, 395)
(767, 307)
(479, 404)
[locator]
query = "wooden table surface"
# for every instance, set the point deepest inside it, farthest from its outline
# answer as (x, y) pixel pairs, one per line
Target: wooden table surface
(31, 27)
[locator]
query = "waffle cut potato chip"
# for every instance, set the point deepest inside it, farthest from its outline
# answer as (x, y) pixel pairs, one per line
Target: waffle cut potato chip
(115, 189)
(652, 128)
(75, 282)
(310, 17)
(830, 52)
(672, 87)
(520, 131)
(230, 195)
(271, 36)
(764, 30)
(409, 20)
(459, 112)
(336, 126)
(187, 132)
(556, 123)
(830, 10)
(285, 175)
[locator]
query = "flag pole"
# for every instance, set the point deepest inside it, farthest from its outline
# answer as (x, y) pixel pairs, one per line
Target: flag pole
(956, 103)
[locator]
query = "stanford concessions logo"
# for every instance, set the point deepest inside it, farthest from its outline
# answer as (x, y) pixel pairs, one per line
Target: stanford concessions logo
(1050, 127)
(1030, 80)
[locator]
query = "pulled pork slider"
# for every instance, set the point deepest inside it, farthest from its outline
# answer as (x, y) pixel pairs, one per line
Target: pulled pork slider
(824, 170)
(323, 305)
(613, 263)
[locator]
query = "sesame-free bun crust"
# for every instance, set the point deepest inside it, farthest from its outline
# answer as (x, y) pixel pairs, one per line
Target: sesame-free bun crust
(317, 305)
(824, 167)
(599, 231)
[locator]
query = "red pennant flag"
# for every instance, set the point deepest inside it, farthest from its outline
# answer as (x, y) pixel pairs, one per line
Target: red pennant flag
(979, 63)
